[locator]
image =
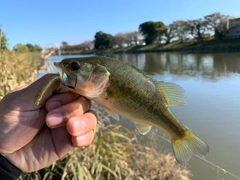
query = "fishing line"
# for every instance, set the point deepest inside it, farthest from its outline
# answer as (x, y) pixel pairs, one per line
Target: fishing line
(202, 158)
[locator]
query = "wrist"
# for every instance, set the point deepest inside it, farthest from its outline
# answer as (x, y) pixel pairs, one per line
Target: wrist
(7, 170)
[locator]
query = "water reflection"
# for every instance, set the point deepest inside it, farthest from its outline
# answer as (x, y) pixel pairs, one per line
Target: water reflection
(210, 66)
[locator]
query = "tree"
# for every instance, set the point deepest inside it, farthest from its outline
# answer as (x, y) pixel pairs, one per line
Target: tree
(180, 29)
(197, 28)
(33, 48)
(64, 43)
(128, 38)
(86, 45)
(168, 34)
(3, 40)
(161, 33)
(30, 47)
(65, 46)
(131, 37)
(135, 36)
(37, 48)
(149, 30)
(119, 39)
(21, 48)
(103, 40)
(217, 23)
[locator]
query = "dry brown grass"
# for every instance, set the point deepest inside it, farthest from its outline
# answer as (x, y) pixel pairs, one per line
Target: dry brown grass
(17, 69)
(149, 164)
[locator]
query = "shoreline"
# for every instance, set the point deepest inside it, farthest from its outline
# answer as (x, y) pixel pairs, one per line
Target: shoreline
(212, 45)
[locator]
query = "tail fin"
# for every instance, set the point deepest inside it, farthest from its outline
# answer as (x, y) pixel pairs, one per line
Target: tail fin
(188, 146)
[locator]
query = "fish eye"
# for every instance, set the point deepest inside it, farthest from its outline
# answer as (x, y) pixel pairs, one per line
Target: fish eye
(75, 66)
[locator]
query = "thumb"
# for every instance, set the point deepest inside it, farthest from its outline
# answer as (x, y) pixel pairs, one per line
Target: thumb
(27, 96)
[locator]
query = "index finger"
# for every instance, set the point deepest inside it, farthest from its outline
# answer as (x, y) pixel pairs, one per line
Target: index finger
(60, 99)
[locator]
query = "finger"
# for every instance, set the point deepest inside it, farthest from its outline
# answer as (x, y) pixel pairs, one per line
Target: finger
(81, 125)
(19, 88)
(59, 116)
(83, 140)
(60, 99)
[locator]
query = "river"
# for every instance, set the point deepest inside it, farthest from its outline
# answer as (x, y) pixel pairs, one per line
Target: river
(211, 82)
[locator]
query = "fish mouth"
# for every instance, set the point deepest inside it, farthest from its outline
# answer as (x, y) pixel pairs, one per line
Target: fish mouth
(64, 77)
(66, 81)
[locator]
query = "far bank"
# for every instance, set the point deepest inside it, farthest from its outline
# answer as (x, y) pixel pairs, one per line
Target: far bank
(210, 45)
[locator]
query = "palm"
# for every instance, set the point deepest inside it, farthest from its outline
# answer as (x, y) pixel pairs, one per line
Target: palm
(41, 145)
(45, 148)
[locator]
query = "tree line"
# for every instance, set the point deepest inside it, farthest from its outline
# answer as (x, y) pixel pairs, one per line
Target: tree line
(27, 48)
(104, 40)
(215, 24)
(150, 32)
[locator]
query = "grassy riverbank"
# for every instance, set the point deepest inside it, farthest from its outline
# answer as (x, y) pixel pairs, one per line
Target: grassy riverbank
(116, 152)
(207, 45)
(17, 69)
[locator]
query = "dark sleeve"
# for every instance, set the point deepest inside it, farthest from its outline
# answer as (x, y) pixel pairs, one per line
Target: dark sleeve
(7, 170)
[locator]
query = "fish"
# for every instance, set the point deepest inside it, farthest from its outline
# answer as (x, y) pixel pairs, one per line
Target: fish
(122, 89)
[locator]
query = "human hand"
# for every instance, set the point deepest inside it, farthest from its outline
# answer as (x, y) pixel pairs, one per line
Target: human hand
(32, 137)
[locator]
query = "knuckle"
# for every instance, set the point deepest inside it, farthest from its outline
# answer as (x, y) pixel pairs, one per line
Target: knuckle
(95, 114)
(85, 103)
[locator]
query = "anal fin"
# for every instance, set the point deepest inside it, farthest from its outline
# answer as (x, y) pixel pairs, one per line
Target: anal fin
(143, 128)
(112, 114)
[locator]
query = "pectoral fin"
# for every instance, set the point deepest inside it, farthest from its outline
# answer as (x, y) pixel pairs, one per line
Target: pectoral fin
(143, 128)
(173, 94)
(112, 114)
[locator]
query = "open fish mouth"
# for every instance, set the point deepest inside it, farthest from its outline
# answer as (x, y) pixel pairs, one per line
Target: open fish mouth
(64, 77)
(65, 80)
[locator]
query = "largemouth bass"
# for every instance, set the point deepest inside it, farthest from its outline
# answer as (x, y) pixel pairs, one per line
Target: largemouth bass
(123, 89)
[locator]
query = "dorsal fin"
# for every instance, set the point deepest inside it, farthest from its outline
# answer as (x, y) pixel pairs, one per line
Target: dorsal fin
(173, 94)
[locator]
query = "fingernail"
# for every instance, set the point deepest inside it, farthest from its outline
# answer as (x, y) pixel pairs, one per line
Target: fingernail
(79, 125)
(54, 120)
(53, 105)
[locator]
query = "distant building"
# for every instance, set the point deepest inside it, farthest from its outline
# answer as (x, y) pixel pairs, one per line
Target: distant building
(234, 28)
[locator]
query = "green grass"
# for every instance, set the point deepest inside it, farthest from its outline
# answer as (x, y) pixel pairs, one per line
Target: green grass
(209, 44)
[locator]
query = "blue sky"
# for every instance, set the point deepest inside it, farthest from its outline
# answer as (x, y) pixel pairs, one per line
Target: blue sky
(74, 21)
